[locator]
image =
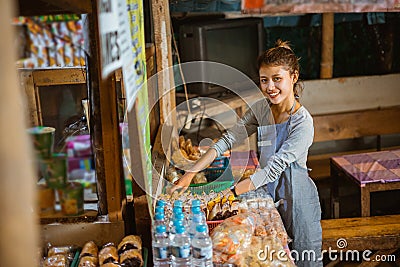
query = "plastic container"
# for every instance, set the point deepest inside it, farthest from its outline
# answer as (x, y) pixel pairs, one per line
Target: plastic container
(161, 247)
(202, 249)
(216, 186)
(181, 249)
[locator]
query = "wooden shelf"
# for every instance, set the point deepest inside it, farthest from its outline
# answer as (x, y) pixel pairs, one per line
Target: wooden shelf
(58, 217)
(48, 7)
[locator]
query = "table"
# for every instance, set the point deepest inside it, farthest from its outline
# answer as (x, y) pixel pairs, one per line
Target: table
(372, 172)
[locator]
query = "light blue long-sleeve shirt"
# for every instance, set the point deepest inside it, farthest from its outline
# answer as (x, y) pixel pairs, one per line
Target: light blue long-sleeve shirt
(294, 148)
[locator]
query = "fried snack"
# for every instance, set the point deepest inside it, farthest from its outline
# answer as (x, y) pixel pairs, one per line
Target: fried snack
(182, 142)
(129, 242)
(57, 260)
(184, 154)
(89, 249)
(88, 261)
(189, 147)
(199, 178)
(131, 258)
(194, 156)
(108, 254)
(111, 264)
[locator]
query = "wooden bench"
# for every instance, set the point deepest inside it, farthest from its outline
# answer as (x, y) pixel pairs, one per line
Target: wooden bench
(380, 234)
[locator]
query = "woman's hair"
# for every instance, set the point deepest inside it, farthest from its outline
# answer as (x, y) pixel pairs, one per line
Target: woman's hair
(282, 55)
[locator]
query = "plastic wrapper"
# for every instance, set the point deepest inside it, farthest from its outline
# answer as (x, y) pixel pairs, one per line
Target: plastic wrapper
(108, 253)
(264, 251)
(252, 238)
(270, 223)
(89, 249)
(233, 235)
(88, 261)
(57, 260)
(57, 255)
(131, 258)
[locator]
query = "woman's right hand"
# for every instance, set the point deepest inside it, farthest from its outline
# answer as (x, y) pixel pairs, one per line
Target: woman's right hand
(182, 184)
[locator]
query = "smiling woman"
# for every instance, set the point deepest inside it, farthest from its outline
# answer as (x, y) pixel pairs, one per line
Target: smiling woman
(285, 133)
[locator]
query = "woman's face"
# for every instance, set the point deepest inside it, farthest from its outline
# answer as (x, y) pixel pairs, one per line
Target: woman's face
(277, 83)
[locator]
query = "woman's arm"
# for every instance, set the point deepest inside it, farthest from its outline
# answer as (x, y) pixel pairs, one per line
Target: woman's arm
(201, 164)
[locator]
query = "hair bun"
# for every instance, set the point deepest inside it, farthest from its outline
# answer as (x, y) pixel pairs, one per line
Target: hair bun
(284, 44)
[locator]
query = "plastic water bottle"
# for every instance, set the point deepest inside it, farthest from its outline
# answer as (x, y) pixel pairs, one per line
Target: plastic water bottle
(197, 218)
(181, 249)
(202, 248)
(161, 248)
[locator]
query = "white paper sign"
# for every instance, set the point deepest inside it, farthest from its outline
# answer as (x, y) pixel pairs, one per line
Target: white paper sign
(111, 52)
(128, 63)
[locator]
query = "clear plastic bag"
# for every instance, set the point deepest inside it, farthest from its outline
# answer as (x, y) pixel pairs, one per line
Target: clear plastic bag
(232, 237)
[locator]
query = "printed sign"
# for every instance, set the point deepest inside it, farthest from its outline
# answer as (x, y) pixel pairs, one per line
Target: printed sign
(109, 37)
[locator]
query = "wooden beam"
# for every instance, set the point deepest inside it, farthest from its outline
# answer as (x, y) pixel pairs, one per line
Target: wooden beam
(78, 233)
(18, 220)
(327, 45)
(356, 124)
(48, 7)
(104, 126)
(26, 80)
(60, 76)
(162, 37)
(75, 6)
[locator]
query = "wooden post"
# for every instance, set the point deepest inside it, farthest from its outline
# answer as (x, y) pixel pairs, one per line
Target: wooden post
(328, 28)
(105, 129)
(18, 222)
(162, 36)
(26, 78)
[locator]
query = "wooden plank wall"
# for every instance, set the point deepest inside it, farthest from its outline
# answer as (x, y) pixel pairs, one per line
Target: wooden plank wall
(338, 95)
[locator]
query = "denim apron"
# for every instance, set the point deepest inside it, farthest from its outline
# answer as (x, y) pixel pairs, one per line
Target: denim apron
(300, 210)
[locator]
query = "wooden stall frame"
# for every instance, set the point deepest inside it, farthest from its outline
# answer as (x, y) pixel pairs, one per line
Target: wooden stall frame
(32, 79)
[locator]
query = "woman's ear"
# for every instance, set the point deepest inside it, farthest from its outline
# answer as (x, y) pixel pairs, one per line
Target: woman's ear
(295, 76)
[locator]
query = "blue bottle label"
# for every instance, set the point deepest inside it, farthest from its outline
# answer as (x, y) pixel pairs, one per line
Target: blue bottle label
(161, 252)
(181, 252)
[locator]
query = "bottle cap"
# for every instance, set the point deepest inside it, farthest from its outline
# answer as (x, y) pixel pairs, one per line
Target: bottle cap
(196, 210)
(177, 210)
(160, 203)
(179, 216)
(159, 216)
(180, 229)
(161, 229)
(196, 203)
(178, 203)
(159, 209)
(177, 223)
(201, 228)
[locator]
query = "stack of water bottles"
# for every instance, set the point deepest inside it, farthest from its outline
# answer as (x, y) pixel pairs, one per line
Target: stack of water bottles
(181, 240)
